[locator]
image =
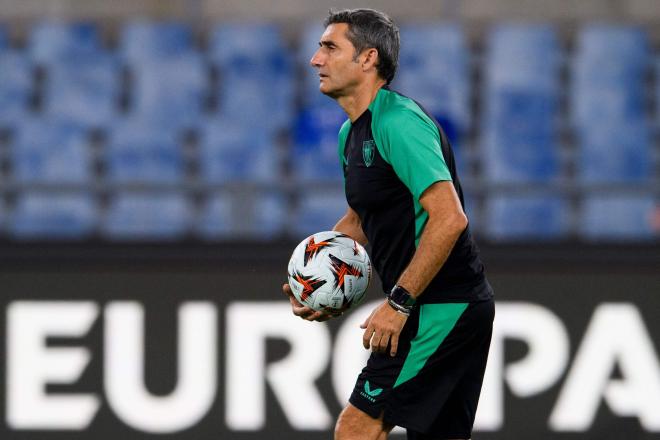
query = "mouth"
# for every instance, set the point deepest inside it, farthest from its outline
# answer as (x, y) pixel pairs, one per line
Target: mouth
(322, 76)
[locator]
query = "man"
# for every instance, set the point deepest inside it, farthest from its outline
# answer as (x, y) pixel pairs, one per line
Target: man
(430, 336)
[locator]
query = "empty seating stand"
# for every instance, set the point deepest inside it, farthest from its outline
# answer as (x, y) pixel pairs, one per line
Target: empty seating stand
(148, 216)
(535, 217)
(53, 216)
(16, 87)
(435, 70)
(519, 124)
(50, 151)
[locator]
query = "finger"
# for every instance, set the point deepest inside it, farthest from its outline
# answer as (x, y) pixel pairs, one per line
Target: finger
(366, 321)
(366, 338)
(313, 316)
(383, 343)
(394, 344)
(375, 341)
(287, 290)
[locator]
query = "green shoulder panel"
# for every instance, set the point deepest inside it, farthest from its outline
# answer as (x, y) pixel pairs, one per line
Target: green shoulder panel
(343, 135)
(409, 141)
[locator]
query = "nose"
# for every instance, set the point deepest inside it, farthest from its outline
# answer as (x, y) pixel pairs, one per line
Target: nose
(316, 60)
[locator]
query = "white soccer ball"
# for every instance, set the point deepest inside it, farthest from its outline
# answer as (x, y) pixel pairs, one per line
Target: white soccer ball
(329, 271)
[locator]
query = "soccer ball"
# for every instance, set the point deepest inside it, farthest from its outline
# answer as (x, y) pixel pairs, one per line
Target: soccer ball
(329, 272)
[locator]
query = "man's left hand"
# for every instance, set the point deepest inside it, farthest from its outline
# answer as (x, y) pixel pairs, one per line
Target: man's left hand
(382, 329)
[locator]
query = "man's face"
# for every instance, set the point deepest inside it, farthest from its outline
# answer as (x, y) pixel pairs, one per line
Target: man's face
(338, 71)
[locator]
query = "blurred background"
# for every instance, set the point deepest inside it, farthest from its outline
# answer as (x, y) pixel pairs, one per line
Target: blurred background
(201, 120)
(156, 152)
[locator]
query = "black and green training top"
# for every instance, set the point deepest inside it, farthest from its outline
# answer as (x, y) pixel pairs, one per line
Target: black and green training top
(391, 154)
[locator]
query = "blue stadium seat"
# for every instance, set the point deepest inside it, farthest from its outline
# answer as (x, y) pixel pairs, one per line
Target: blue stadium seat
(519, 125)
(57, 41)
(522, 44)
(615, 153)
(217, 218)
(526, 217)
(314, 155)
(50, 151)
(236, 153)
(507, 159)
(143, 40)
(148, 216)
(253, 215)
(249, 48)
(318, 210)
(256, 74)
(608, 76)
(619, 218)
(15, 87)
(434, 70)
(85, 92)
(41, 215)
(169, 92)
(139, 153)
(604, 40)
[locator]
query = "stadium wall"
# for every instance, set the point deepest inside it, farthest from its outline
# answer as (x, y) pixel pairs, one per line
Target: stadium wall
(198, 343)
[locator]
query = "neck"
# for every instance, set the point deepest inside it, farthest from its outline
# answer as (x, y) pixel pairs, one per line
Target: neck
(354, 104)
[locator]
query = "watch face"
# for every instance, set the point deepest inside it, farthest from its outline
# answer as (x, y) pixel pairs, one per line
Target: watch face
(400, 296)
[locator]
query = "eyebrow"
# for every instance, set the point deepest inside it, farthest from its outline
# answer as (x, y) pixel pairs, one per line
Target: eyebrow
(327, 43)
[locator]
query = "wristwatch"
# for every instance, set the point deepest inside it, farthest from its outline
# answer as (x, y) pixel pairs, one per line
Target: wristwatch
(401, 300)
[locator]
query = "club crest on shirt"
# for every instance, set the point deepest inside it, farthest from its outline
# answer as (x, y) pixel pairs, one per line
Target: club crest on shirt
(368, 149)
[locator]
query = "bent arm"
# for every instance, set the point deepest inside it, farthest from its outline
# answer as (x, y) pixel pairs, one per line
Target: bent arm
(351, 225)
(445, 224)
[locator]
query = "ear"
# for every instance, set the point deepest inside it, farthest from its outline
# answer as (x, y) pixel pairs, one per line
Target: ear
(369, 58)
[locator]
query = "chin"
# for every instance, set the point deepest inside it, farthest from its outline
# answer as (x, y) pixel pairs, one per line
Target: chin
(327, 91)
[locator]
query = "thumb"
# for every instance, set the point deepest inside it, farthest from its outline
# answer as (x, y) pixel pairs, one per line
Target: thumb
(365, 323)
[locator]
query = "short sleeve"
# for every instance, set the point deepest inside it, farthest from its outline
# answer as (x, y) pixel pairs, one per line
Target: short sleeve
(412, 146)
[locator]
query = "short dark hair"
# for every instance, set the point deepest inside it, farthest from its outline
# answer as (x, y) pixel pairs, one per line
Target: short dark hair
(368, 28)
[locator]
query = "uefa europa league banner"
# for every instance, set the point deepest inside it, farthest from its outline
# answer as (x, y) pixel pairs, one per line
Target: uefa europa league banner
(187, 351)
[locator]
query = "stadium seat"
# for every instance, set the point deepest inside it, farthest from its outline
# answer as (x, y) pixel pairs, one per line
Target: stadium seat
(138, 153)
(615, 153)
(50, 152)
(249, 48)
(15, 87)
(144, 40)
(526, 217)
(58, 41)
(247, 214)
(608, 76)
(308, 43)
(507, 159)
(434, 70)
(148, 216)
(521, 105)
(86, 92)
(256, 74)
(314, 154)
(169, 92)
(41, 215)
(619, 217)
(235, 153)
(318, 210)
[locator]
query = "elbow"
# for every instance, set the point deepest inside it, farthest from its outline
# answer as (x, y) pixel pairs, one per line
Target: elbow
(455, 223)
(459, 222)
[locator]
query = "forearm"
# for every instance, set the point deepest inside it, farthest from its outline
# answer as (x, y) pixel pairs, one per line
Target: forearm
(435, 245)
(351, 226)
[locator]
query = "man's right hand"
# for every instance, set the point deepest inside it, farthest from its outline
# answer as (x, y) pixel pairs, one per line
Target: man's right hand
(306, 313)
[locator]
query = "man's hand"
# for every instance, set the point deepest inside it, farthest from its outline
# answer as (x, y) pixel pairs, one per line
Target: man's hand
(382, 328)
(306, 313)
